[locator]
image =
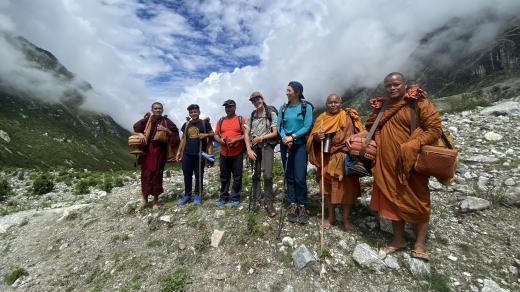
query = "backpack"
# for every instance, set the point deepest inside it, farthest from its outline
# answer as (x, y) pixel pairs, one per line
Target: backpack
(268, 110)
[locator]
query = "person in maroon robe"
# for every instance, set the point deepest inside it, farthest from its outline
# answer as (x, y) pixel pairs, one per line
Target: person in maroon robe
(155, 153)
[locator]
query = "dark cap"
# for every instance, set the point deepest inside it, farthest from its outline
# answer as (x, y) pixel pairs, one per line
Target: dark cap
(256, 94)
(229, 102)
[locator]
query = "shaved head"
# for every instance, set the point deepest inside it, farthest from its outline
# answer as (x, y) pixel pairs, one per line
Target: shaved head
(396, 74)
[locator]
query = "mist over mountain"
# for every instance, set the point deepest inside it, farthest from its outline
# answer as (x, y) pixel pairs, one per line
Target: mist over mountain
(42, 123)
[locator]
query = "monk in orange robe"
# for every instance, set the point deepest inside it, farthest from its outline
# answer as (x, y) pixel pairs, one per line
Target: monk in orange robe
(399, 193)
(339, 189)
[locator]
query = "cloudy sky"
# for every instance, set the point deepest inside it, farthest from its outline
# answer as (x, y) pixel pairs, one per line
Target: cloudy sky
(134, 52)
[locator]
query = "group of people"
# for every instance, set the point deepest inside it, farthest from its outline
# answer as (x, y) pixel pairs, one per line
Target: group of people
(399, 193)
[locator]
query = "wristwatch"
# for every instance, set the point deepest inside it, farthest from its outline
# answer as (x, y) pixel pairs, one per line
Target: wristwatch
(294, 137)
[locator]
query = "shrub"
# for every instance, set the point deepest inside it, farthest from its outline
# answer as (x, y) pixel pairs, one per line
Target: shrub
(5, 189)
(81, 187)
(107, 185)
(10, 278)
(42, 184)
(118, 182)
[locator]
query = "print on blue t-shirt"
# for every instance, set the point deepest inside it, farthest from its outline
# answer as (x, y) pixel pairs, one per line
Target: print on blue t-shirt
(192, 135)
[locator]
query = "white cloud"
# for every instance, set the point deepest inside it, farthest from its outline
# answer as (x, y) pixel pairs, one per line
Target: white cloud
(327, 45)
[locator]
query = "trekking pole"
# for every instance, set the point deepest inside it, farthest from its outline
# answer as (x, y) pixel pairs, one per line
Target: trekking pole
(252, 171)
(281, 220)
(322, 190)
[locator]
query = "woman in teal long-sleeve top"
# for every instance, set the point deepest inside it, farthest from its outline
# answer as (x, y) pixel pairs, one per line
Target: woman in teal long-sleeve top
(295, 122)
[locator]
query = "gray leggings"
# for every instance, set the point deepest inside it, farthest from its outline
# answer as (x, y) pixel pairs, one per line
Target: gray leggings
(263, 167)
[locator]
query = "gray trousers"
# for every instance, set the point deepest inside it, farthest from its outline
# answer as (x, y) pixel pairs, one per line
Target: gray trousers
(263, 167)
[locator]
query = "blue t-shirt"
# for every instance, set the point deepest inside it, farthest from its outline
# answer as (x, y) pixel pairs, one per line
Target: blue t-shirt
(294, 122)
(192, 135)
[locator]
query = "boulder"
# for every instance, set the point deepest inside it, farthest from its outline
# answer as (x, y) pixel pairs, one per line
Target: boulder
(492, 136)
(302, 257)
(365, 256)
(417, 267)
(502, 109)
(491, 286)
(471, 204)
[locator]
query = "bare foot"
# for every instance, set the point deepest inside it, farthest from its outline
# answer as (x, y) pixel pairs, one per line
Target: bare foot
(141, 206)
(349, 227)
(155, 206)
(419, 248)
(327, 224)
(393, 246)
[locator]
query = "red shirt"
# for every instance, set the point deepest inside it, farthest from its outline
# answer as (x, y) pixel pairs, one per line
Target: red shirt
(230, 128)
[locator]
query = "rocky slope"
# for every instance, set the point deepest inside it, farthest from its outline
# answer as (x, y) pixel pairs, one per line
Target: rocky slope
(97, 242)
(34, 133)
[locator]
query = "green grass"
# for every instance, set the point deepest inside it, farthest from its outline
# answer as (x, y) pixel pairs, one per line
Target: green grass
(10, 278)
(54, 135)
(202, 243)
(438, 282)
(154, 243)
(177, 280)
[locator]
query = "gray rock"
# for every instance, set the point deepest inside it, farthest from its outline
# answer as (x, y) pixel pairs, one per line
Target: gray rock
(391, 262)
(129, 207)
(482, 159)
(364, 255)
(502, 109)
(492, 136)
(216, 237)
(510, 182)
(288, 288)
(4, 136)
(417, 267)
(302, 257)
(512, 197)
(470, 204)
(166, 218)
(491, 286)
(287, 241)
(513, 270)
(219, 214)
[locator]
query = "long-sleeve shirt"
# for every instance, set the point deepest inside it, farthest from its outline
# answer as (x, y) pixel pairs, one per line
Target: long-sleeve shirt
(294, 122)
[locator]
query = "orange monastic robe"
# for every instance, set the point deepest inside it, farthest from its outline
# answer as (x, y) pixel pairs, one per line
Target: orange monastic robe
(342, 189)
(400, 193)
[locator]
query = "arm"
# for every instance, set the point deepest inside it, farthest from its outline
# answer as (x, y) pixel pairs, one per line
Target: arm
(180, 151)
(250, 152)
(217, 136)
(174, 139)
(274, 130)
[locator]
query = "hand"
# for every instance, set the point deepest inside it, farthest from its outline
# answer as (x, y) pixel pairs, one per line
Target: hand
(287, 139)
(319, 136)
(257, 140)
(142, 138)
(251, 154)
(231, 142)
(202, 136)
(178, 157)
(161, 128)
(290, 144)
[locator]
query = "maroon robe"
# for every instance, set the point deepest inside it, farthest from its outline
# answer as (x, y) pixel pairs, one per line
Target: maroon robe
(153, 161)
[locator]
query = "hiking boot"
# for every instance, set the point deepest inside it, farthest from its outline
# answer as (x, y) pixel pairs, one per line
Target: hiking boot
(235, 203)
(196, 200)
(292, 213)
(184, 200)
(303, 215)
(271, 211)
(220, 202)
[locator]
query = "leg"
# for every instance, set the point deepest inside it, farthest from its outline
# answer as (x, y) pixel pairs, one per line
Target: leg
(257, 170)
(346, 215)
(155, 202)
(237, 168)
(225, 176)
(398, 242)
(267, 172)
(331, 216)
(421, 230)
(187, 171)
(146, 186)
(300, 174)
(289, 177)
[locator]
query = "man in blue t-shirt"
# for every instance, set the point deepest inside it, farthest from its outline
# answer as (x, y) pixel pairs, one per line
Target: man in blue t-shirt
(195, 134)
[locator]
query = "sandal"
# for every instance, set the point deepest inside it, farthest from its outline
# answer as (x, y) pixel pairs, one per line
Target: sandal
(389, 249)
(419, 255)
